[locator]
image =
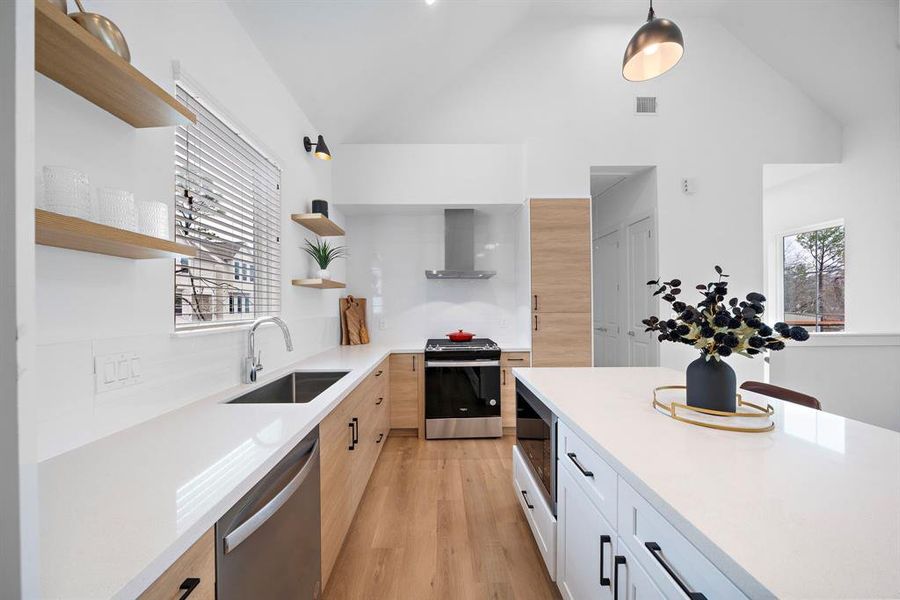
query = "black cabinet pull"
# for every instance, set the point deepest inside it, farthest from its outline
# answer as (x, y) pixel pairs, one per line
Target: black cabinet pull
(380, 400)
(189, 585)
(352, 436)
(504, 376)
(604, 539)
(380, 437)
(527, 503)
(535, 323)
(355, 431)
(414, 363)
(574, 459)
(535, 301)
(378, 374)
(617, 562)
(656, 551)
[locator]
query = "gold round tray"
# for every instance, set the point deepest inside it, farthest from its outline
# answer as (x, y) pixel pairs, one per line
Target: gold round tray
(756, 412)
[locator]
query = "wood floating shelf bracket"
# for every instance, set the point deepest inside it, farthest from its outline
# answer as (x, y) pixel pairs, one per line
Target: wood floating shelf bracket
(62, 231)
(318, 224)
(65, 52)
(322, 284)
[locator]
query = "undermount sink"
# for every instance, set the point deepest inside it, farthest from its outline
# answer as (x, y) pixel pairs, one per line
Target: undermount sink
(296, 388)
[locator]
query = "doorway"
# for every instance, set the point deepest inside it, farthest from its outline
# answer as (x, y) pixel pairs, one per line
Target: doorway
(624, 258)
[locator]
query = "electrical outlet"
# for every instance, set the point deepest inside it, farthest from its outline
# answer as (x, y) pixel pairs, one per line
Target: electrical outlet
(688, 185)
(115, 371)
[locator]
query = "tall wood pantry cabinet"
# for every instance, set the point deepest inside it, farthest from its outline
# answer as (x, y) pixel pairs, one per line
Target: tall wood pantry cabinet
(561, 282)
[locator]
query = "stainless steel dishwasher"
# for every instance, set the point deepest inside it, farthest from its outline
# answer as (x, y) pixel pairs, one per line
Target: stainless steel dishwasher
(269, 544)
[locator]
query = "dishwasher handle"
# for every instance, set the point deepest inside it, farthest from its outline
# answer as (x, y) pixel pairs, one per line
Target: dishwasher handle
(248, 527)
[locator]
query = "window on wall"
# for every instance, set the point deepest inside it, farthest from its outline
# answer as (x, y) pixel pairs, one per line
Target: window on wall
(228, 207)
(813, 265)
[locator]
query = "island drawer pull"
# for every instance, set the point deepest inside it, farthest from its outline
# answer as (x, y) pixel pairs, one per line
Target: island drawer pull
(188, 586)
(380, 400)
(656, 552)
(527, 503)
(604, 539)
(380, 437)
(574, 459)
(619, 560)
(378, 374)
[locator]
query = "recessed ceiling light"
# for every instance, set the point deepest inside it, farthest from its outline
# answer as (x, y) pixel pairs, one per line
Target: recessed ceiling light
(430, 2)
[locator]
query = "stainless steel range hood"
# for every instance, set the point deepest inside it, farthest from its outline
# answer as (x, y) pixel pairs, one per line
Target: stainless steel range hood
(459, 247)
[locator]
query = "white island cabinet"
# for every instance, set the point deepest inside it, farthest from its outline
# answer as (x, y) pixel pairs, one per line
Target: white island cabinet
(648, 507)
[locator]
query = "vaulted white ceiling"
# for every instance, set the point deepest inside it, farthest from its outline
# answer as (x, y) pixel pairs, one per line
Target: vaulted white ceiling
(354, 62)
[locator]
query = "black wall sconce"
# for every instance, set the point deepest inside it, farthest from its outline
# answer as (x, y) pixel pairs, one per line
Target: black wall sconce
(322, 150)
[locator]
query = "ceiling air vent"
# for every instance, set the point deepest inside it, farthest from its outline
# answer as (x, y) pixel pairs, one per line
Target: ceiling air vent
(645, 105)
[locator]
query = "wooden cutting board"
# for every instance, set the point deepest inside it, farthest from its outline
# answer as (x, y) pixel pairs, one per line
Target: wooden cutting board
(353, 321)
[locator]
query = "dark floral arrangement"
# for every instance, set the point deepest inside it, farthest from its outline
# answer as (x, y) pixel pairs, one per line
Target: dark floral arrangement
(718, 329)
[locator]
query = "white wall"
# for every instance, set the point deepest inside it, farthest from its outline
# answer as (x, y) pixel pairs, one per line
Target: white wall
(392, 248)
(18, 468)
(864, 191)
(89, 305)
(556, 87)
(853, 375)
(429, 174)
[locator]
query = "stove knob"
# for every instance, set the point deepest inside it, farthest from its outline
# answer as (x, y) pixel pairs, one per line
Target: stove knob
(492, 402)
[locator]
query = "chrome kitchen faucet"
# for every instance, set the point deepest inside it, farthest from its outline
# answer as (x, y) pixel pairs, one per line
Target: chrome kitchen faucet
(253, 361)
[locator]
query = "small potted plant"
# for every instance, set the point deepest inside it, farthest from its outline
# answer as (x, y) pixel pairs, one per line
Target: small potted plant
(324, 254)
(718, 329)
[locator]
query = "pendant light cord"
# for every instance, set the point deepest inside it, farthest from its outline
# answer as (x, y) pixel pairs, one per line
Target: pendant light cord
(651, 15)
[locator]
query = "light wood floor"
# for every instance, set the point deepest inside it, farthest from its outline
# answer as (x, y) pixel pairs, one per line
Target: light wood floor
(440, 520)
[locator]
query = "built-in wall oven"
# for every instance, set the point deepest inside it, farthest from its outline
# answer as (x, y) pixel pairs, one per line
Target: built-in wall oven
(536, 438)
(462, 389)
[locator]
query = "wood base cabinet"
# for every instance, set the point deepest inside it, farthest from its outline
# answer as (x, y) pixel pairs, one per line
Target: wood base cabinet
(192, 576)
(407, 392)
(561, 339)
(350, 438)
(508, 362)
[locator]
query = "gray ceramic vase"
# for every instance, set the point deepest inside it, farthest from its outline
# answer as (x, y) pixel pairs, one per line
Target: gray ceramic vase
(711, 384)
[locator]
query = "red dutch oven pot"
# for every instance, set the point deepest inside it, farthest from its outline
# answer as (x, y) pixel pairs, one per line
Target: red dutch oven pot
(460, 336)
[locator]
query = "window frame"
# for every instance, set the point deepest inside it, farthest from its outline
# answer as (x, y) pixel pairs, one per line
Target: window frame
(247, 270)
(777, 245)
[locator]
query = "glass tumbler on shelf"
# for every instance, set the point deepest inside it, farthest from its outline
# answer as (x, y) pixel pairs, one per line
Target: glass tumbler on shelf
(67, 192)
(116, 208)
(153, 218)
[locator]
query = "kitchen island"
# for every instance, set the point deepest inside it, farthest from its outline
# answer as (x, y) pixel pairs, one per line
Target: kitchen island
(808, 510)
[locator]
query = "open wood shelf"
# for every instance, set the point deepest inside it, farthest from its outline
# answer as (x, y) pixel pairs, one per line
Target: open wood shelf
(322, 284)
(65, 52)
(62, 231)
(319, 224)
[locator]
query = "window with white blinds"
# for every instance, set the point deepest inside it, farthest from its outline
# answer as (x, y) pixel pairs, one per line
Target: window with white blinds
(228, 207)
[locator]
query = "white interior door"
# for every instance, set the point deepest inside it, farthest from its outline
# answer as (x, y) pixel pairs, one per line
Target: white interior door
(607, 306)
(641, 268)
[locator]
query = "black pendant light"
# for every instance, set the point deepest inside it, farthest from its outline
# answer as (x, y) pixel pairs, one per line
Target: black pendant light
(656, 47)
(321, 149)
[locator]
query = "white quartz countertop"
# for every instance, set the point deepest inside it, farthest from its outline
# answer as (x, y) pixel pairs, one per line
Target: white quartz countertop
(114, 514)
(809, 510)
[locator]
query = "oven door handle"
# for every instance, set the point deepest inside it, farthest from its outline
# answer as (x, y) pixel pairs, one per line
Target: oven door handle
(429, 364)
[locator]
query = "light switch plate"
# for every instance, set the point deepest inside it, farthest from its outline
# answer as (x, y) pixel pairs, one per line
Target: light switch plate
(116, 371)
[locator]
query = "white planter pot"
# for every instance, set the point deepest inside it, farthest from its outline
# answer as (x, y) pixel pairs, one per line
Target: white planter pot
(323, 274)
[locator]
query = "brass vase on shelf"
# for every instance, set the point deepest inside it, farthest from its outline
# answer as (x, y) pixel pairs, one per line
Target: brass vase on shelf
(101, 28)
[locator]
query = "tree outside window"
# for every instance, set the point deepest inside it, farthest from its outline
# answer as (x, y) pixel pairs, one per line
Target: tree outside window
(814, 279)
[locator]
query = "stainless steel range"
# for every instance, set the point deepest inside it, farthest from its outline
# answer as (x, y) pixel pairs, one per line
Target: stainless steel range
(462, 389)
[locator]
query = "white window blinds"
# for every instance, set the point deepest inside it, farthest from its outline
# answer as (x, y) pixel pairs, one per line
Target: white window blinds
(228, 207)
